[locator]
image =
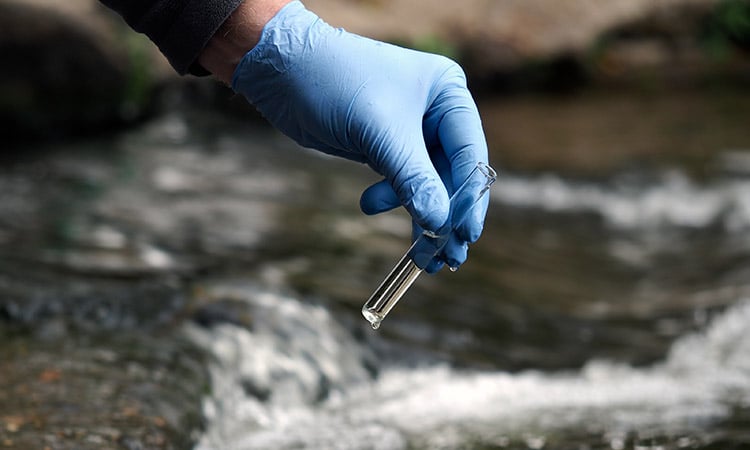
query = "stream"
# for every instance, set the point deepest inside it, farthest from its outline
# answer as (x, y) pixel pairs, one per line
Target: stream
(197, 282)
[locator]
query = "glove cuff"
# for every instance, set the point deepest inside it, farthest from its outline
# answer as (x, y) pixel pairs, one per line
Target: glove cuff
(287, 30)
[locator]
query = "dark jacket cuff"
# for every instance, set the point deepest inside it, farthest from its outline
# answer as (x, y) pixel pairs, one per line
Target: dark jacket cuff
(180, 28)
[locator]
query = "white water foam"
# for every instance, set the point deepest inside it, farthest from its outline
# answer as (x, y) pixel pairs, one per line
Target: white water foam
(703, 376)
(672, 200)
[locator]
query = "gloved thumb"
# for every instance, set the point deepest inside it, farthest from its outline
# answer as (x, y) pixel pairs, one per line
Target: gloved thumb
(379, 198)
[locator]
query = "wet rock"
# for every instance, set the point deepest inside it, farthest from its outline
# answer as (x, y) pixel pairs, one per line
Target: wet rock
(71, 67)
(129, 390)
(52, 302)
(94, 363)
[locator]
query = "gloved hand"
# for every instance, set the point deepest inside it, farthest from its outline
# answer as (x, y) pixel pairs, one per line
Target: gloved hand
(407, 114)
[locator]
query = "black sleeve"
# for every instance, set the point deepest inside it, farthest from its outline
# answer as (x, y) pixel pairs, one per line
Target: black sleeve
(180, 28)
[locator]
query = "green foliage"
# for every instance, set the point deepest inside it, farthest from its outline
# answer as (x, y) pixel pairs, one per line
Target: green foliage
(435, 44)
(140, 79)
(728, 28)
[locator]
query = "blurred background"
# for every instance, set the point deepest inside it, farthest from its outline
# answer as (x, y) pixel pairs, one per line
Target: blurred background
(175, 274)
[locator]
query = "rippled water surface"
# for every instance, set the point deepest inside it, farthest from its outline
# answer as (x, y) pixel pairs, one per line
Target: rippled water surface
(595, 312)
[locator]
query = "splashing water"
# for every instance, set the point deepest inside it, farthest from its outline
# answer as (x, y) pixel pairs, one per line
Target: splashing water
(672, 200)
(702, 379)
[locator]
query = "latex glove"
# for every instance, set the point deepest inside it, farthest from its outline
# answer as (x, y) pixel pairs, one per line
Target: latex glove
(407, 114)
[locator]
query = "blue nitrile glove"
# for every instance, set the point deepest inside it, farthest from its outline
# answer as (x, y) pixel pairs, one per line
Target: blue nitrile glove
(407, 114)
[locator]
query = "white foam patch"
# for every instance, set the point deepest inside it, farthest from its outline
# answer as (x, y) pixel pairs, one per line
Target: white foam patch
(702, 378)
(674, 200)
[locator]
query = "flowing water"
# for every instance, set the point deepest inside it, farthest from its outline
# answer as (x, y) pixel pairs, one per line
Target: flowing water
(596, 312)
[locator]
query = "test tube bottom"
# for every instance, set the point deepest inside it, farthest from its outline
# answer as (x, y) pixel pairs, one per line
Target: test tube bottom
(390, 291)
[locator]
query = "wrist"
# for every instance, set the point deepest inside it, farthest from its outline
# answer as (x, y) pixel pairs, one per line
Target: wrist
(237, 36)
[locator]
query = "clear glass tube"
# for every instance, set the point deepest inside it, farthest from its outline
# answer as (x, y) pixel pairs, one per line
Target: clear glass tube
(426, 247)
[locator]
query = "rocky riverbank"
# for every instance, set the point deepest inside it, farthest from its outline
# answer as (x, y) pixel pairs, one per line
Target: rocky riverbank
(76, 67)
(72, 67)
(500, 36)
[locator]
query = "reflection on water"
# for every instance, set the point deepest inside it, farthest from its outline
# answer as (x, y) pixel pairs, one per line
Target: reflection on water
(591, 314)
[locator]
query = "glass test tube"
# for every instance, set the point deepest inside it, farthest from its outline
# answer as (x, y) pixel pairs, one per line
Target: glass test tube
(426, 247)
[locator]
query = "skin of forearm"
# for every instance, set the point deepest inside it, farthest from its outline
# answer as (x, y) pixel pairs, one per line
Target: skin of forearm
(236, 36)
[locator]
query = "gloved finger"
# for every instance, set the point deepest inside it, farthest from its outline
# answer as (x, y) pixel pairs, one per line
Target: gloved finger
(378, 198)
(453, 121)
(455, 251)
(404, 161)
(434, 266)
(442, 166)
(463, 141)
